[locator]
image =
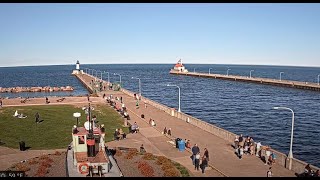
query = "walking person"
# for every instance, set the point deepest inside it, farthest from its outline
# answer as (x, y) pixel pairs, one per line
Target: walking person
(206, 154)
(204, 164)
(0, 103)
(197, 161)
(37, 116)
(236, 142)
(258, 148)
(240, 152)
(269, 172)
(137, 104)
(169, 131)
(165, 131)
(195, 150)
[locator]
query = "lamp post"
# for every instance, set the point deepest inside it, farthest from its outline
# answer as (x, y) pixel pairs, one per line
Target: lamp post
(103, 73)
(100, 74)
(250, 72)
(209, 70)
(179, 110)
(290, 156)
(318, 78)
(77, 115)
(119, 76)
(92, 72)
(139, 85)
(280, 75)
(228, 72)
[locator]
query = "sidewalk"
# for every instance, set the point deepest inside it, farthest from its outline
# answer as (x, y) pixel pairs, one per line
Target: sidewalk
(222, 156)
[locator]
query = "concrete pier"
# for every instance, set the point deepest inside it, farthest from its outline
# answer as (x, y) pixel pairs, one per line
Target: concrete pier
(217, 140)
(275, 82)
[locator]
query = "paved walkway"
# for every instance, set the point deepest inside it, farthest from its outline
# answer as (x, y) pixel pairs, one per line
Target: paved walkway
(222, 156)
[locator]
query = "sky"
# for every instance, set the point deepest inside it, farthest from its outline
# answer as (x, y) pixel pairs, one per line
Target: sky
(160, 33)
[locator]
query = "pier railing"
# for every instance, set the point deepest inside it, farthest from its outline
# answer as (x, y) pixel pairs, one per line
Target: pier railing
(268, 81)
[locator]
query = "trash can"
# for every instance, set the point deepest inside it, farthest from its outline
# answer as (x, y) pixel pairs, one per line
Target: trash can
(181, 145)
(177, 142)
(22, 145)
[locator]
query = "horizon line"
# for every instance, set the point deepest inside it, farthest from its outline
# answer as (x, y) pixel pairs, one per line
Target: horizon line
(314, 66)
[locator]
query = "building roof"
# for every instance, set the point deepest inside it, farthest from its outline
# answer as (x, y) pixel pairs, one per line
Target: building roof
(82, 131)
(81, 157)
(100, 157)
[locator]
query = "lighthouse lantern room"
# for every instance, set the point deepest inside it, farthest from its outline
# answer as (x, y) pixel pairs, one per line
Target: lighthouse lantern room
(180, 67)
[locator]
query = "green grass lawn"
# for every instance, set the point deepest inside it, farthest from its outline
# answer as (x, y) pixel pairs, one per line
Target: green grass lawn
(55, 130)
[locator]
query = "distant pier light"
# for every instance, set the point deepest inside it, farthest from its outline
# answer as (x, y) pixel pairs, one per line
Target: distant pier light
(280, 75)
(250, 72)
(78, 65)
(228, 71)
(77, 70)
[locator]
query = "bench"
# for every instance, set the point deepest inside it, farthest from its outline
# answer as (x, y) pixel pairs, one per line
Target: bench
(24, 101)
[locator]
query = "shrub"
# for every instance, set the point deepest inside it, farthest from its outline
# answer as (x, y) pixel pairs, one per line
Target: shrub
(131, 152)
(57, 153)
(148, 156)
(162, 159)
(33, 161)
(118, 152)
(45, 164)
(42, 171)
(172, 172)
(43, 157)
(167, 165)
(22, 167)
(145, 169)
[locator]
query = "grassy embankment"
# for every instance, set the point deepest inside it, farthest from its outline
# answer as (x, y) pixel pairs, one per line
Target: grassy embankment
(55, 130)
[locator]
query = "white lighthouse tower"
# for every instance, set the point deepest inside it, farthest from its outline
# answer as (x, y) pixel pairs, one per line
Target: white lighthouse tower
(77, 70)
(78, 65)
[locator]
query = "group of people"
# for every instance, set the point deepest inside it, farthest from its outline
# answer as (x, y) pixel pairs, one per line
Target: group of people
(309, 172)
(134, 128)
(119, 134)
(198, 160)
(167, 131)
(247, 146)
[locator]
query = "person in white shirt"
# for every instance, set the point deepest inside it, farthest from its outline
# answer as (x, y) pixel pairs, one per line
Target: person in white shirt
(197, 161)
(268, 153)
(258, 148)
(153, 123)
(269, 172)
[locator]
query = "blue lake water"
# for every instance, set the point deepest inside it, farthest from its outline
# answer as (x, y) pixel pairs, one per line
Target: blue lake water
(238, 107)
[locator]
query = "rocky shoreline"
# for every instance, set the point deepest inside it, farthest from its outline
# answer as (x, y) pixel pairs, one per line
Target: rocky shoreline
(35, 89)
